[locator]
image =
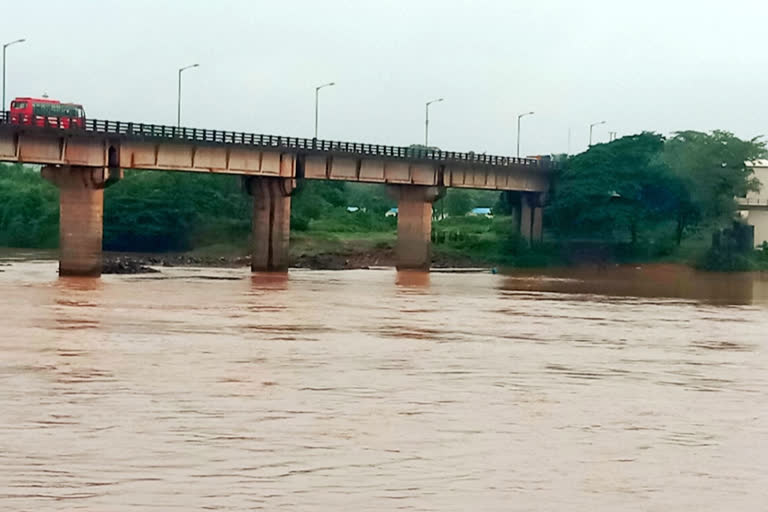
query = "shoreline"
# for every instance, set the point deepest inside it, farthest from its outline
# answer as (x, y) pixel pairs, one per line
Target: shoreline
(147, 263)
(344, 259)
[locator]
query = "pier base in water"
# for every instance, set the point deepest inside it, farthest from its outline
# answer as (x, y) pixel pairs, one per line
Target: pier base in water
(271, 222)
(414, 226)
(81, 213)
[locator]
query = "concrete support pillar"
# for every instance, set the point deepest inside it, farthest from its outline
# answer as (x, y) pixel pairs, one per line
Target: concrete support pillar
(414, 226)
(537, 230)
(526, 217)
(531, 216)
(271, 223)
(81, 213)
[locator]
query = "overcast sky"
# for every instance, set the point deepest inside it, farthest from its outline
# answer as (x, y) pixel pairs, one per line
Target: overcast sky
(640, 65)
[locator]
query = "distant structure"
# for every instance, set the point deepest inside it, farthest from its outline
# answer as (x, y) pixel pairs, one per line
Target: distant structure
(480, 212)
(754, 207)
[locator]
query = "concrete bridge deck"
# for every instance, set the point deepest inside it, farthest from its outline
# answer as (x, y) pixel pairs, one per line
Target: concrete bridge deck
(128, 145)
(82, 161)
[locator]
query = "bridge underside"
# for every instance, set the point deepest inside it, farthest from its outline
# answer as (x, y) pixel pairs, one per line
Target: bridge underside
(71, 160)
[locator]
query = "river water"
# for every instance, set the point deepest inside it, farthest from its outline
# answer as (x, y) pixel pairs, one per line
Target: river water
(212, 389)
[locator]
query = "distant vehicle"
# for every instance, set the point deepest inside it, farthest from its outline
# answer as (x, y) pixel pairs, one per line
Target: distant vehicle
(45, 112)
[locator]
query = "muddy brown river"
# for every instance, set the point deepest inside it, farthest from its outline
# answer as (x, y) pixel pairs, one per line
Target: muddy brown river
(214, 389)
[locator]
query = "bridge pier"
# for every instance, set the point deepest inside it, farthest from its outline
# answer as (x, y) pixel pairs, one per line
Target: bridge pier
(531, 216)
(525, 219)
(81, 213)
(271, 222)
(414, 225)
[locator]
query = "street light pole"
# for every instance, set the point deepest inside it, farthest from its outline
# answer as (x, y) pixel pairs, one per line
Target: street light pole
(6, 45)
(317, 101)
(518, 130)
(426, 120)
(590, 130)
(178, 99)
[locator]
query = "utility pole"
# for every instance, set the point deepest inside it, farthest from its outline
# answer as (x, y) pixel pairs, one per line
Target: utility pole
(426, 120)
(178, 98)
(590, 130)
(6, 45)
(317, 98)
(518, 130)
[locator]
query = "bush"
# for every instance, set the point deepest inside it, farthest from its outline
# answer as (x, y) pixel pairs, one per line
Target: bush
(503, 225)
(299, 222)
(719, 260)
(342, 221)
(732, 250)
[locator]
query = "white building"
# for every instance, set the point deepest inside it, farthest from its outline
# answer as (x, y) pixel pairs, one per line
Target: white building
(754, 207)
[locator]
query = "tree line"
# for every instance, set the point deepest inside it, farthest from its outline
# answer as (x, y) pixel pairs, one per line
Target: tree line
(158, 211)
(638, 184)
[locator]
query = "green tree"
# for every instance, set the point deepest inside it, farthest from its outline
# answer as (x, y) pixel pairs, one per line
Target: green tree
(313, 198)
(166, 211)
(709, 172)
(615, 186)
(373, 198)
(457, 202)
(506, 202)
(29, 208)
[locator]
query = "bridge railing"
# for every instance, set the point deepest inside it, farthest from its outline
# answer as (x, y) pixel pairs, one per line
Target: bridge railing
(155, 131)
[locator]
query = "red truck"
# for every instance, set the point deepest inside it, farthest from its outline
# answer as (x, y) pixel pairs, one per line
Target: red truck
(45, 112)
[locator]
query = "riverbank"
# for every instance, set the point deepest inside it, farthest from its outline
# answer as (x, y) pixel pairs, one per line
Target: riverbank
(346, 251)
(341, 258)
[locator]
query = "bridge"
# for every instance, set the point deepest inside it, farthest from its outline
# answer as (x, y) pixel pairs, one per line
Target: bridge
(82, 161)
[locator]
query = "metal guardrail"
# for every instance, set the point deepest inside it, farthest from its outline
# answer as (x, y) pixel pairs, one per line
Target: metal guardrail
(165, 132)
